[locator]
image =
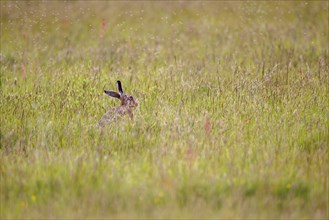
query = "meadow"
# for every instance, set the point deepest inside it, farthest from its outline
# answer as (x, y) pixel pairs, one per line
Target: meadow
(233, 119)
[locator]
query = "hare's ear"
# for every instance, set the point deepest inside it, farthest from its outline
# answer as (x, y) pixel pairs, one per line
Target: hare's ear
(119, 87)
(112, 94)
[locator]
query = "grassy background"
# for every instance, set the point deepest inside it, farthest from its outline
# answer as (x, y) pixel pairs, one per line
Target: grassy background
(233, 118)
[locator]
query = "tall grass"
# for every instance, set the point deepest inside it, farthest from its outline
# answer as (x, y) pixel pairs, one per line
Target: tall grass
(233, 118)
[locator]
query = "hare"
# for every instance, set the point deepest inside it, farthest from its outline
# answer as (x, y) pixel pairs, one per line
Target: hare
(128, 105)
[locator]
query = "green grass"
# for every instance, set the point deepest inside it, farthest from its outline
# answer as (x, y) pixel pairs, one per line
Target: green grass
(233, 119)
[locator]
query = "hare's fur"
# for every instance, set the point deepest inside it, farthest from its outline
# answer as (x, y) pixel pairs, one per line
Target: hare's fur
(128, 105)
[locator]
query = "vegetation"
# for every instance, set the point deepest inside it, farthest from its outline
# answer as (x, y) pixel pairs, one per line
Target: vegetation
(233, 119)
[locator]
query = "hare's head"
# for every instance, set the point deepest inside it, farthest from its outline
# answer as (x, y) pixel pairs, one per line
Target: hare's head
(126, 99)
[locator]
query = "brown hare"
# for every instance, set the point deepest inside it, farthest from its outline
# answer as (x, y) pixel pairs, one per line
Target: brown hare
(127, 107)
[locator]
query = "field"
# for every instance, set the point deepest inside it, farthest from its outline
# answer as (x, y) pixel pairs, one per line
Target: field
(233, 120)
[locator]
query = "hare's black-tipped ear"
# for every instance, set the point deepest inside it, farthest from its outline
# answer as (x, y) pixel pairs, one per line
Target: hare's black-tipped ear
(112, 94)
(119, 87)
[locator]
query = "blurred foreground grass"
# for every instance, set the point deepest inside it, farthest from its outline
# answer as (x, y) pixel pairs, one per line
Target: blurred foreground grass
(233, 121)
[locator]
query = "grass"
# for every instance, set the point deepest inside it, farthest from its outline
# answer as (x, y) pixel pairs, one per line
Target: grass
(233, 119)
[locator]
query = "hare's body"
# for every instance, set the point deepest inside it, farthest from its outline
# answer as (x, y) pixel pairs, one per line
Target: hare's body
(128, 104)
(114, 113)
